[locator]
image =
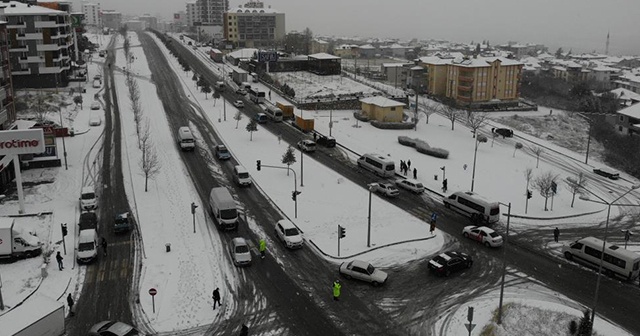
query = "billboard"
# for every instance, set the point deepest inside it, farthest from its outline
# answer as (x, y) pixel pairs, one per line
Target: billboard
(29, 141)
(267, 56)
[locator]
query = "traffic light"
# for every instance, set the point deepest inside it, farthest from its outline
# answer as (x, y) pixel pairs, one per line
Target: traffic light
(554, 187)
(341, 232)
(529, 194)
(193, 207)
(64, 229)
(258, 165)
(293, 195)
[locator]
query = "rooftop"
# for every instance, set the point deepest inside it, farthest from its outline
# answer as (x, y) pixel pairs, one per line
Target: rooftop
(324, 56)
(632, 111)
(19, 8)
(381, 101)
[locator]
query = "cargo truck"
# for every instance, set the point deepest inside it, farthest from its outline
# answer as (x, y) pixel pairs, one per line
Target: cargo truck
(16, 242)
(287, 110)
(38, 316)
(223, 208)
(239, 76)
(306, 125)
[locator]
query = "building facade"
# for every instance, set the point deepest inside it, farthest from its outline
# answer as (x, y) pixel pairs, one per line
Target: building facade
(7, 109)
(211, 12)
(254, 26)
(382, 109)
(111, 19)
(192, 13)
(628, 120)
(151, 22)
(91, 12)
(41, 44)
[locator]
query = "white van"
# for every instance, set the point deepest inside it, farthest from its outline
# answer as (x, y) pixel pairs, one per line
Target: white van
(223, 208)
(274, 113)
(88, 198)
(480, 209)
(87, 246)
(377, 164)
(241, 176)
(186, 139)
(616, 260)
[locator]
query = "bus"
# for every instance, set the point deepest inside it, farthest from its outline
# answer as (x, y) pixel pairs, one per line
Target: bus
(256, 95)
(377, 164)
(478, 208)
(616, 260)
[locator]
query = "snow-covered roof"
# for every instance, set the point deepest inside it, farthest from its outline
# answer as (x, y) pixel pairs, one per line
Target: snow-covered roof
(603, 68)
(243, 53)
(319, 41)
(393, 65)
(216, 51)
(366, 46)
(19, 8)
(623, 93)
(381, 101)
(632, 111)
(323, 56)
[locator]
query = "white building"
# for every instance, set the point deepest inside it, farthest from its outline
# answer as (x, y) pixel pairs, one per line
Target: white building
(91, 13)
(192, 13)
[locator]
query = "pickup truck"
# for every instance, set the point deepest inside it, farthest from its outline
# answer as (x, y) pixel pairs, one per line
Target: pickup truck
(386, 189)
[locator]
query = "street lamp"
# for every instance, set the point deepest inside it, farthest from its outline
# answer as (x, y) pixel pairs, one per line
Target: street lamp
(604, 240)
(479, 138)
(372, 187)
(504, 262)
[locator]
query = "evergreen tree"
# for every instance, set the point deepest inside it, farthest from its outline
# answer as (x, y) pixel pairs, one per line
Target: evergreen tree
(289, 157)
(252, 126)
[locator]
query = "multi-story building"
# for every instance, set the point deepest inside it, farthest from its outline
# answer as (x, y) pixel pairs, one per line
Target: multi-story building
(91, 12)
(192, 14)
(111, 19)
(319, 46)
(628, 120)
(7, 110)
(151, 21)
(474, 81)
(254, 26)
(211, 12)
(41, 44)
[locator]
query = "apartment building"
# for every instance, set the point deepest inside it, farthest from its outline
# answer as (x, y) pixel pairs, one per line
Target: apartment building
(91, 12)
(628, 120)
(7, 110)
(211, 12)
(111, 19)
(254, 26)
(151, 22)
(40, 44)
(192, 14)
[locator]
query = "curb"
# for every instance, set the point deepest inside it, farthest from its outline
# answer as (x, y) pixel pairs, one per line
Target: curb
(370, 250)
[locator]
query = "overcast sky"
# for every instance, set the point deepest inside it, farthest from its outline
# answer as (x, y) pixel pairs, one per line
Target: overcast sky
(578, 24)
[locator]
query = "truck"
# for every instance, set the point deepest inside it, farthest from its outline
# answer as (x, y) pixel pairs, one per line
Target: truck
(223, 208)
(287, 110)
(39, 315)
(16, 242)
(239, 76)
(306, 125)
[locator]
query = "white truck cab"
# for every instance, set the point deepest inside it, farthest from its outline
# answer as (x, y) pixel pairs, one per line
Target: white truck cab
(17, 242)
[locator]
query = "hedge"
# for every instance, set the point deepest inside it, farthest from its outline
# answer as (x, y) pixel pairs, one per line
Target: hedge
(423, 147)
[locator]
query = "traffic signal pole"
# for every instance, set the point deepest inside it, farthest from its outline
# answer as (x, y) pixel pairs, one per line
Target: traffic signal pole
(295, 193)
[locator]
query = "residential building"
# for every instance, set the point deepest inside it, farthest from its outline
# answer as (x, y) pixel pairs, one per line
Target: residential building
(111, 19)
(382, 109)
(628, 121)
(367, 51)
(91, 12)
(211, 12)
(151, 22)
(7, 109)
(254, 26)
(319, 46)
(629, 81)
(41, 44)
(523, 50)
(135, 25)
(396, 73)
(346, 51)
(192, 14)
(602, 76)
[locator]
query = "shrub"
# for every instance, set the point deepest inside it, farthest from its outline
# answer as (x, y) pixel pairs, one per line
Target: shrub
(435, 152)
(391, 125)
(406, 141)
(360, 116)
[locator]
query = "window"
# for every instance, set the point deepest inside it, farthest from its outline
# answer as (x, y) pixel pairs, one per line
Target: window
(393, 109)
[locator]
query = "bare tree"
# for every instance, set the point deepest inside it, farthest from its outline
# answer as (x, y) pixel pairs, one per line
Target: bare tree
(544, 184)
(430, 107)
(40, 107)
(576, 185)
(237, 117)
(252, 126)
(528, 174)
(144, 135)
(289, 157)
(517, 146)
(206, 89)
(537, 151)
(450, 112)
(149, 163)
(475, 120)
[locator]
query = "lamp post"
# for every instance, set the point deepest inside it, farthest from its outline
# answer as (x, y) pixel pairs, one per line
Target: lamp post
(604, 239)
(504, 262)
(475, 154)
(372, 187)
(64, 146)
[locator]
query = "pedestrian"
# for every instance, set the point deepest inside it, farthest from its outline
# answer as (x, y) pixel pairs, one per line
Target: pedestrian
(464, 166)
(216, 298)
(550, 112)
(556, 234)
(336, 290)
(263, 247)
(434, 217)
(409, 164)
(315, 136)
(432, 227)
(244, 331)
(444, 185)
(415, 173)
(59, 259)
(269, 94)
(103, 242)
(70, 303)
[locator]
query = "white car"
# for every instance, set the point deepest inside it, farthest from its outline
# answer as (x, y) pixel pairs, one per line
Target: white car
(95, 105)
(387, 189)
(483, 235)
(307, 146)
(97, 84)
(364, 271)
(95, 121)
(240, 252)
(289, 234)
(411, 185)
(238, 103)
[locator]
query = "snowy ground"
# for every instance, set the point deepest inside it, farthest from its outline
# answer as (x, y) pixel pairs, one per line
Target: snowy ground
(325, 200)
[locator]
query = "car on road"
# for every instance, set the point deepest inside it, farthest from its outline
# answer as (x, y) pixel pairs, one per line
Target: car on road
(607, 173)
(327, 141)
(240, 252)
(364, 271)
(88, 220)
(261, 118)
(102, 53)
(483, 235)
(241, 91)
(97, 77)
(410, 184)
(97, 84)
(448, 262)
(238, 103)
(113, 328)
(504, 132)
(307, 145)
(95, 105)
(95, 121)
(121, 223)
(222, 153)
(386, 189)
(289, 234)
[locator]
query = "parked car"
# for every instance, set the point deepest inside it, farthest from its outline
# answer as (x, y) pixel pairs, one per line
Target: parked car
(387, 189)
(411, 185)
(97, 84)
(88, 220)
(95, 121)
(240, 252)
(95, 105)
(307, 146)
(97, 77)
(289, 234)
(113, 328)
(358, 269)
(261, 118)
(121, 223)
(238, 103)
(607, 173)
(102, 53)
(483, 235)
(448, 262)
(505, 132)
(326, 141)
(222, 153)
(241, 91)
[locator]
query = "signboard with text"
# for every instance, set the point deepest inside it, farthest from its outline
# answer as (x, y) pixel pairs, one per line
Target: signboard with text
(267, 56)
(29, 141)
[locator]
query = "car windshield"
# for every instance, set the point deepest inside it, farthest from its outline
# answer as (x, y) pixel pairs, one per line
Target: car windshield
(494, 211)
(86, 246)
(242, 249)
(122, 220)
(88, 196)
(391, 167)
(228, 214)
(243, 175)
(371, 269)
(291, 232)
(222, 150)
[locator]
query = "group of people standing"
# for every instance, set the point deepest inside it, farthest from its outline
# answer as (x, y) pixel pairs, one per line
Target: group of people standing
(405, 167)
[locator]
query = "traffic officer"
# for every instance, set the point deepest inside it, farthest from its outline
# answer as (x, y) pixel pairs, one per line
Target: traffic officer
(336, 290)
(262, 247)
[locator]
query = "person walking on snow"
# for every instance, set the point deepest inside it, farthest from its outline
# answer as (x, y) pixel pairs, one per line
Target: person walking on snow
(336, 290)
(216, 298)
(444, 185)
(262, 247)
(70, 303)
(103, 242)
(409, 164)
(415, 173)
(59, 259)
(556, 234)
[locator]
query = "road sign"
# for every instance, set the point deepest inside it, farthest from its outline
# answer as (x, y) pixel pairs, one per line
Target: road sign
(267, 56)
(153, 291)
(469, 326)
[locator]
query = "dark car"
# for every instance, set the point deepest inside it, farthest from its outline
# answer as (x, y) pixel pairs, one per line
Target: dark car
(88, 220)
(222, 153)
(122, 223)
(113, 328)
(607, 173)
(449, 262)
(326, 141)
(505, 132)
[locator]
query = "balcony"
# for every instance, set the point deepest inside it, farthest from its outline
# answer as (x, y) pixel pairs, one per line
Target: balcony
(29, 36)
(19, 48)
(17, 25)
(49, 47)
(45, 24)
(31, 59)
(464, 88)
(467, 79)
(22, 71)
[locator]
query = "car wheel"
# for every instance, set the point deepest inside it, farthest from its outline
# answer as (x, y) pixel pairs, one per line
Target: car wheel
(466, 235)
(487, 244)
(375, 283)
(347, 276)
(568, 255)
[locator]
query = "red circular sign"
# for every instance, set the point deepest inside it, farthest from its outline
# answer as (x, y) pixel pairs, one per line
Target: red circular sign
(153, 291)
